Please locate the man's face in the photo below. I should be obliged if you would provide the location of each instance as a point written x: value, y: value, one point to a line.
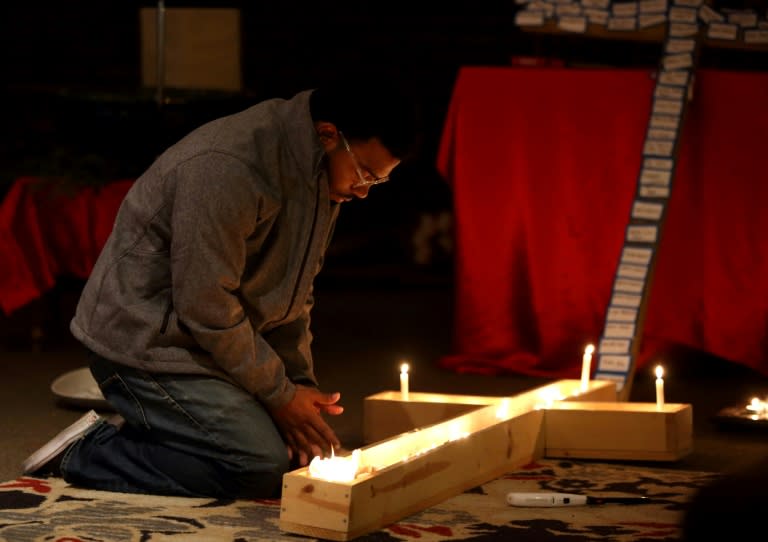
x: 354, y: 167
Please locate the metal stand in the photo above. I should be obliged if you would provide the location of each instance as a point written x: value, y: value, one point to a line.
x: 160, y: 30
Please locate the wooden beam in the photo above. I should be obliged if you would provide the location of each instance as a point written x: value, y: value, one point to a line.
x: 411, y: 472
x: 387, y: 414
x: 618, y: 431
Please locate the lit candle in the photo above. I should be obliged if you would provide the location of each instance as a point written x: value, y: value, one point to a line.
x: 334, y: 468
x: 586, y: 367
x: 659, y: 387
x: 404, y: 380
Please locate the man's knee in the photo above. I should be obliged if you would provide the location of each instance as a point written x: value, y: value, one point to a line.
x: 261, y: 476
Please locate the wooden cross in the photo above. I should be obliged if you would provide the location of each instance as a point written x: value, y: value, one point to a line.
x: 429, y: 447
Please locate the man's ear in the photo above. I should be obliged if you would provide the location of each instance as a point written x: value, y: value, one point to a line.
x: 328, y: 134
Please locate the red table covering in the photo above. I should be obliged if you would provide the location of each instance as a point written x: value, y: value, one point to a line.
x: 543, y: 165
x: 48, y: 231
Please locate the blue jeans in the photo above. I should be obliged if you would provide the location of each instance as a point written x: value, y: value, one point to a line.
x: 184, y: 435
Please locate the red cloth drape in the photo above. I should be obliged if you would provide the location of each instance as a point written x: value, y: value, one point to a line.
x: 47, y: 232
x: 543, y: 165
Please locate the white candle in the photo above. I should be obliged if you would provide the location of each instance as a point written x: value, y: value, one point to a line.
x: 404, y: 380
x: 586, y: 367
x: 659, y: 387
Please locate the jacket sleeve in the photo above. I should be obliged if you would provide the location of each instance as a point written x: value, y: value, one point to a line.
x: 216, y: 207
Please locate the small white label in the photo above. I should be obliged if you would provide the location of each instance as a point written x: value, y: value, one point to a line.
x: 613, y: 346
x: 572, y: 24
x: 632, y: 271
x: 658, y: 163
x: 636, y: 255
x: 596, y: 16
x: 756, y: 36
x: 668, y: 91
x: 661, y: 133
x: 654, y: 191
x: 642, y: 234
x: 658, y: 148
x: 652, y: 6
x: 670, y: 107
x: 529, y: 18
x: 619, y: 330
x: 679, y: 78
x: 745, y: 19
x: 613, y: 362
x: 723, y: 31
x: 709, y: 15
x: 682, y: 15
x: 624, y: 9
x: 655, y: 177
x: 666, y: 121
x: 647, y: 21
x: 647, y: 210
x: 626, y: 300
x: 622, y: 23
x: 567, y: 9
x: 621, y: 314
x: 683, y: 30
x: 630, y: 286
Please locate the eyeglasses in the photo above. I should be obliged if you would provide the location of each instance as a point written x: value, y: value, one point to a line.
x: 365, y: 177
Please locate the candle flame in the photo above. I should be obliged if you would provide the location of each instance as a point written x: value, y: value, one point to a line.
x: 589, y: 349
x: 336, y: 469
x: 659, y: 371
x: 404, y: 368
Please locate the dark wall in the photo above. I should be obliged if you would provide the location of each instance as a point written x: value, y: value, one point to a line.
x: 73, y: 101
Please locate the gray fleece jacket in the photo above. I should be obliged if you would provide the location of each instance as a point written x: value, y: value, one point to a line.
x: 210, y: 263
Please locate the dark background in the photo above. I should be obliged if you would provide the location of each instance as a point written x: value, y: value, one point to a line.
x: 73, y: 71
x: 73, y: 107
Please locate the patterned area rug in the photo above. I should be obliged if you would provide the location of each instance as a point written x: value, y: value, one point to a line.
x: 49, y: 510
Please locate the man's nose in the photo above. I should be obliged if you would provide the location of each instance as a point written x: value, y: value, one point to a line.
x: 361, y: 191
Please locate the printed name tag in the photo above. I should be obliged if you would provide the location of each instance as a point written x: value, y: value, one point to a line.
x: 647, y: 210
x: 626, y: 300
x: 613, y: 362
x: 621, y: 314
x: 642, y: 234
x: 679, y: 78
x: 614, y: 346
x: 636, y: 255
x: 647, y: 191
x: 666, y: 121
x: 628, y: 270
x: 619, y: 330
x: 683, y: 30
x: 658, y: 163
x: 658, y: 148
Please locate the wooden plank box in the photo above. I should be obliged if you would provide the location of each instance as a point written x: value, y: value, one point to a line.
x: 413, y: 471
x: 387, y: 413
x: 628, y: 431
x: 421, y: 467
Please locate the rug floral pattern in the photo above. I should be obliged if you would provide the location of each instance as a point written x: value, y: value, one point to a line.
x: 49, y: 510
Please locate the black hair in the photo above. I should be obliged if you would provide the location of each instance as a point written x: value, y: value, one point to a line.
x: 362, y: 112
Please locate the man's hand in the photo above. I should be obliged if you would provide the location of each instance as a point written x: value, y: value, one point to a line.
x: 302, y: 425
